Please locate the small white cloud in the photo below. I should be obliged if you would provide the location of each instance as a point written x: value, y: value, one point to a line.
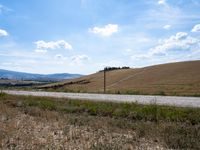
x: 3, y: 32
x: 41, y: 51
x: 178, y: 36
x: 128, y: 50
x: 1, y: 8
x: 107, y: 30
x: 196, y: 28
x: 61, y: 57
x: 78, y: 59
x: 53, y: 45
x: 4, y: 9
x: 140, y: 56
x: 161, y: 2
x: 83, y: 1
x: 167, y: 27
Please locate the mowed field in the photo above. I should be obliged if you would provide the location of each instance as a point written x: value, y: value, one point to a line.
x: 181, y: 78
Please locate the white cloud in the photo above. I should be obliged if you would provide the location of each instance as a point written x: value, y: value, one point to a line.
x: 3, y: 9
x: 53, y: 45
x: 107, y: 30
x: 140, y: 56
x: 161, y: 2
x: 178, y: 36
x: 60, y: 56
x: 78, y: 59
x: 83, y: 1
x: 180, y: 41
x: 3, y: 32
x: 196, y: 28
x: 41, y: 51
x: 167, y: 27
x: 128, y: 50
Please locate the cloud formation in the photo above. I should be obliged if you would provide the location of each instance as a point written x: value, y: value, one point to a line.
x: 78, y: 59
x: 196, y: 28
x: 107, y: 30
x: 161, y: 2
x: 3, y: 32
x: 60, y: 56
x: 3, y: 9
x: 53, y: 45
x: 167, y: 27
x: 180, y: 41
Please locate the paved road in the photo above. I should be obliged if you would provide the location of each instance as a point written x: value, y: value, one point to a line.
x: 142, y: 99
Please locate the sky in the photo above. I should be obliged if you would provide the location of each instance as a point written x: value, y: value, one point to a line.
x: 84, y: 36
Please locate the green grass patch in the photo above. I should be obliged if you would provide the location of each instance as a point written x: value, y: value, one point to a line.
x: 41, y: 102
x: 2, y: 94
x: 131, y: 111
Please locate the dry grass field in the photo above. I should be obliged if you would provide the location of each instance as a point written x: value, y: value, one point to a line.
x: 47, y: 123
x: 182, y: 78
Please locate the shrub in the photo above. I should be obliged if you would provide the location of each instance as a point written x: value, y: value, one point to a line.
x: 2, y: 94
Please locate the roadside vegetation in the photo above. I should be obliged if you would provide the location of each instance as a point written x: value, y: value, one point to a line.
x: 160, y: 126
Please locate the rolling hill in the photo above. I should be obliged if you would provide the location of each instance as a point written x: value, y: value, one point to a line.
x: 13, y: 75
x: 180, y: 78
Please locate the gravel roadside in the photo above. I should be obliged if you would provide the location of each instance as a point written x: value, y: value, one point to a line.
x: 142, y: 99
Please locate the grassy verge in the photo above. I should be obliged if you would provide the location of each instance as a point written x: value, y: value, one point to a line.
x: 131, y: 111
x: 177, y: 128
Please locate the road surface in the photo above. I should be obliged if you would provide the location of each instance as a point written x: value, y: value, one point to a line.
x: 141, y: 99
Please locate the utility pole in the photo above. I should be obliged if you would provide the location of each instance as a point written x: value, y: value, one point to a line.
x: 104, y: 72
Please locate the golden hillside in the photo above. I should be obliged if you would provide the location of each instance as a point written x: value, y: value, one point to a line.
x: 181, y: 78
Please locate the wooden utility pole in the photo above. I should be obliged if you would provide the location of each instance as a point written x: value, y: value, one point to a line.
x: 104, y: 72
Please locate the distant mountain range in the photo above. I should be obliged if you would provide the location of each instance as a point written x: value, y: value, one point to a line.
x: 6, y: 74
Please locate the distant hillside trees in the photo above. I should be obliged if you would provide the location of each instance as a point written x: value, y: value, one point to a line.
x: 114, y: 68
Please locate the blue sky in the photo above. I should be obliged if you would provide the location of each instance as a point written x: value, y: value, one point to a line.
x: 83, y: 36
